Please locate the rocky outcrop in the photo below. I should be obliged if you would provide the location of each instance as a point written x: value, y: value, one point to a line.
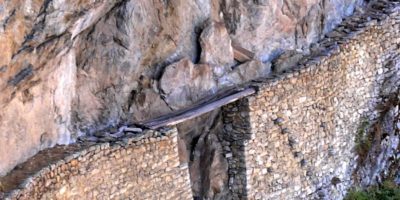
x: 245, y: 72
x: 69, y: 68
x: 184, y: 83
x: 216, y: 46
x: 202, y: 149
x: 270, y: 27
x: 39, y: 73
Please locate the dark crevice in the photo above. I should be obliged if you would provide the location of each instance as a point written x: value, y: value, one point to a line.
x: 44, y: 7
x: 39, y: 26
x: 8, y: 18
x: 50, y: 40
x: 193, y: 145
x: 3, y: 68
x: 166, y: 102
x: 160, y: 67
x: 120, y: 43
x: 197, y: 45
x: 131, y: 98
x: 21, y: 75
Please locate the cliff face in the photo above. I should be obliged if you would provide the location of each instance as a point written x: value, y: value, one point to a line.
x: 73, y: 67
x: 379, y: 140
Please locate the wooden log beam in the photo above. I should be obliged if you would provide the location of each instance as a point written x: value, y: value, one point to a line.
x: 241, y: 54
x: 190, y: 113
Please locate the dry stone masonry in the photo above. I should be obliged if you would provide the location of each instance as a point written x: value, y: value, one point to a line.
x: 78, y: 66
x: 142, y: 167
x: 295, y: 138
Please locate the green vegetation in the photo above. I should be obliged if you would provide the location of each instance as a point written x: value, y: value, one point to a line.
x: 362, y: 140
x: 387, y: 191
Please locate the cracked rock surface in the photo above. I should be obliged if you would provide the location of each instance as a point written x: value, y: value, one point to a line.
x: 70, y: 68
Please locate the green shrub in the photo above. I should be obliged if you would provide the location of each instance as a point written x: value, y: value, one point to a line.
x: 357, y: 195
x: 387, y: 191
x: 363, y: 141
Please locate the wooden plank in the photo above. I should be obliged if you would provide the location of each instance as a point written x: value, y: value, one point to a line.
x: 196, y: 111
x: 241, y: 54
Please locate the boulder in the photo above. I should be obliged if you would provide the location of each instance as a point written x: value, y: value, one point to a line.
x: 184, y: 83
x: 216, y: 46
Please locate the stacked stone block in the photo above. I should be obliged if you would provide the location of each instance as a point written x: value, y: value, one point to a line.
x: 135, y: 168
x: 294, y: 139
x: 236, y: 126
x: 297, y: 139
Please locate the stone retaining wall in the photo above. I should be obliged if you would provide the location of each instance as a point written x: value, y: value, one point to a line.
x: 133, y: 168
x: 295, y: 138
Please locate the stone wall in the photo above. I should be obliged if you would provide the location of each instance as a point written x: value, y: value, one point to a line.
x: 135, y: 168
x: 295, y: 138
x: 79, y: 66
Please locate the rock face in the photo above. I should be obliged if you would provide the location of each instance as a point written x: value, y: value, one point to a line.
x: 183, y: 83
x: 286, y: 61
x: 216, y: 47
x: 269, y: 27
x: 245, y: 72
x: 72, y: 67
x: 380, y: 162
x: 207, y: 165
